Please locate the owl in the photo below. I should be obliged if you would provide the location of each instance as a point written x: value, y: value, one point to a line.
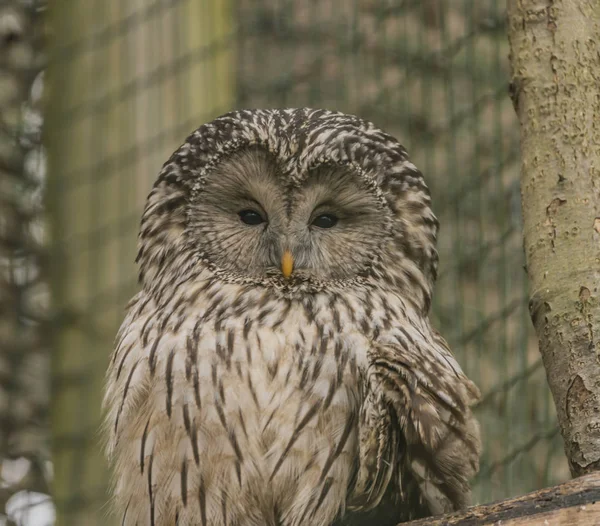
x: 278, y: 366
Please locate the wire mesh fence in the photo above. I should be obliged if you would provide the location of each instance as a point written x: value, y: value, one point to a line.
x: 129, y: 80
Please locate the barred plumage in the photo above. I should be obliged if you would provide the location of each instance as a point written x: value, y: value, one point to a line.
x: 241, y: 395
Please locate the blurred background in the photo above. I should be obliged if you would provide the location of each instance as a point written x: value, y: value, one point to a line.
x: 113, y: 87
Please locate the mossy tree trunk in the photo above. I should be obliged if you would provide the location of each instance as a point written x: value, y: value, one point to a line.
x: 555, y: 56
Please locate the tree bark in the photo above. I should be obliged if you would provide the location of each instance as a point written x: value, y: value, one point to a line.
x: 555, y: 46
x: 576, y: 502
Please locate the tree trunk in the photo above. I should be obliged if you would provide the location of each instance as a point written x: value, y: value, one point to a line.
x: 555, y: 46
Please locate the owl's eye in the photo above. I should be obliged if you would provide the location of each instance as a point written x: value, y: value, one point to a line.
x: 325, y: 221
x: 251, y: 217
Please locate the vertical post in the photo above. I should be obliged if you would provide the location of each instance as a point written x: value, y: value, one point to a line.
x: 211, y: 35
x: 81, y: 330
x: 119, y: 105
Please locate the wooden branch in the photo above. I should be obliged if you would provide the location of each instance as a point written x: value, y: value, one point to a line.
x: 574, y: 503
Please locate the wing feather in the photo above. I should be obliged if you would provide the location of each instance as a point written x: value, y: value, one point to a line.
x: 420, y: 442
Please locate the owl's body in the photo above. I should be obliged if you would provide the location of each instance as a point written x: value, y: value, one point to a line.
x: 240, y: 394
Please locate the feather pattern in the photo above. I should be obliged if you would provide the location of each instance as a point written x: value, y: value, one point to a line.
x: 237, y: 396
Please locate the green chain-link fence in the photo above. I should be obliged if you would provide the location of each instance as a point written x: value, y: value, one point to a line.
x: 129, y: 80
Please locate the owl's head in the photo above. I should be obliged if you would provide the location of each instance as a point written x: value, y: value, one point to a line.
x: 300, y: 200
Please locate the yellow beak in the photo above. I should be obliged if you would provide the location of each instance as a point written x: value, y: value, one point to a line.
x: 287, y: 264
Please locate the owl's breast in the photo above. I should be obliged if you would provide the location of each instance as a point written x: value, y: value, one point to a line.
x: 286, y: 395
x: 260, y: 413
x: 297, y: 366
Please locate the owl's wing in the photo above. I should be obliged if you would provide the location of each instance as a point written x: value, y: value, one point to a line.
x: 419, y: 442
